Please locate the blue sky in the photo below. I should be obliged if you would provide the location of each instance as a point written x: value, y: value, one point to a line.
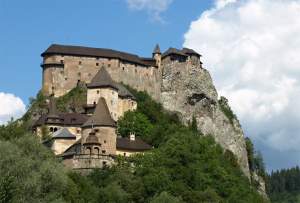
x: 29, y: 27
x: 250, y: 47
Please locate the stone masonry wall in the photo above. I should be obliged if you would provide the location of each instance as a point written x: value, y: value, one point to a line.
x: 61, y: 79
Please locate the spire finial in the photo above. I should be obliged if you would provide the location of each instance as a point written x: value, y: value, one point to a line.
x: 156, y: 49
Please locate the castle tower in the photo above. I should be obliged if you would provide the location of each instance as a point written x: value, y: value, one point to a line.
x: 101, y: 125
x: 53, y: 119
x: 157, y: 55
x: 102, y: 85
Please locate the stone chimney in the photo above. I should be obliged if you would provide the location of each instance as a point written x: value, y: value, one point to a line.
x: 132, y: 137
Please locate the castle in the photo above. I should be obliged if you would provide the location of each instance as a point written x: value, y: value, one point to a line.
x: 90, y: 140
x: 65, y: 66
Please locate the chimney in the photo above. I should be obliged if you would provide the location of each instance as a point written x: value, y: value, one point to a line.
x: 132, y: 137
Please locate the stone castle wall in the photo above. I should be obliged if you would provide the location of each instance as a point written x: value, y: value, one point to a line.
x: 62, y: 73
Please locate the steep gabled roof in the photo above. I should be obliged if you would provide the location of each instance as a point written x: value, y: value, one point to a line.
x: 101, y: 116
x: 63, y: 133
x: 190, y: 52
x: 156, y: 49
x: 124, y: 92
x: 53, y: 113
x: 134, y: 145
x: 173, y: 51
x: 102, y: 79
x: 92, y: 52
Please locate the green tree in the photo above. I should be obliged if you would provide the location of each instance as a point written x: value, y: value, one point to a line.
x: 134, y: 122
x: 165, y: 197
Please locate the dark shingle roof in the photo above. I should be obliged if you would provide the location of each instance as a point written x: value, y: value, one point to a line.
x: 102, y: 79
x: 73, y: 149
x: 63, y: 133
x: 135, y: 145
x: 67, y: 119
x: 124, y: 92
x: 190, y: 52
x: 101, y: 116
x: 173, y: 51
x: 92, y: 52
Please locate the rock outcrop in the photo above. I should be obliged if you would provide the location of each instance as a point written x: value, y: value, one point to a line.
x: 189, y: 91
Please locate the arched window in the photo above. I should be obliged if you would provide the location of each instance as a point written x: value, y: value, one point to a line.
x: 97, y: 150
x: 51, y: 129
x: 55, y: 129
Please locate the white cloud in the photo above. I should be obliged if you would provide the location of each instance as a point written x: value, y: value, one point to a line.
x: 252, y: 49
x: 153, y: 7
x: 10, y: 106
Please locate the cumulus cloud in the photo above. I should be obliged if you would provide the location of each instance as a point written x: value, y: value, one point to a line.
x: 10, y: 107
x: 153, y: 7
x: 252, y: 49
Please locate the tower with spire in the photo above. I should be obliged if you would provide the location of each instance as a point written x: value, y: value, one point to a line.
x: 157, y: 55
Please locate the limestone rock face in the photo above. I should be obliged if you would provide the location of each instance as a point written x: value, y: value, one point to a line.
x: 189, y: 91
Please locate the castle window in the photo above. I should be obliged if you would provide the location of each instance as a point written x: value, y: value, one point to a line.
x: 123, y: 68
x: 79, y: 62
x: 97, y: 64
x: 94, y: 103
x: 55, y: 129
x: 104, y: 141
x: 108, y: 65
x: 98, y: 92
x: 51, y: 129
x: 104, y: 163
x: 61, y: 61
x: 103, y: 151
x: 97, y: 150
x: 66, y: 78
x: 124, y: 154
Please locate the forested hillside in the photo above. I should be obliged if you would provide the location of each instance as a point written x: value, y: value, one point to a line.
x: 184, y: 166
x: 284, y: 185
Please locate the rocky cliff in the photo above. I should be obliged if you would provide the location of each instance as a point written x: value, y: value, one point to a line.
x: 189, y: 91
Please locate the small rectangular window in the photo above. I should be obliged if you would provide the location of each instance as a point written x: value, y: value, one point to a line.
x: 79, y: 63
x: 97, y: 64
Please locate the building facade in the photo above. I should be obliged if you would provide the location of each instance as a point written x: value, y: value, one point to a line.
x: 65, y: 66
